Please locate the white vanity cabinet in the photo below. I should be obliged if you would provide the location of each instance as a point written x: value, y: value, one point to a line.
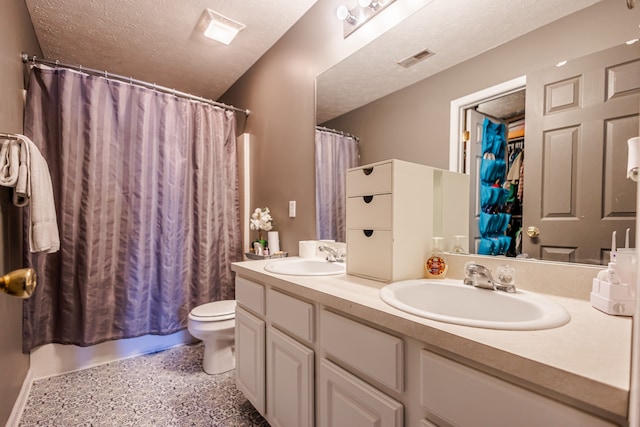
x: 274, y: 361
x: 290, y: 363
x: 302, y: 360
x: 394, y: 208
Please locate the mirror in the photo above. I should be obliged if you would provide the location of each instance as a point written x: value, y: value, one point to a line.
x: 413, y: 123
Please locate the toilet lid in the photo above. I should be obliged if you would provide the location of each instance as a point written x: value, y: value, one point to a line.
x: 217, y: 310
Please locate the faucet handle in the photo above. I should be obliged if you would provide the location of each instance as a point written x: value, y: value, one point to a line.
x: 506, y: 274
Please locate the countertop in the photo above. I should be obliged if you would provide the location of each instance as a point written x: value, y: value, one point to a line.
x: 585, y: 363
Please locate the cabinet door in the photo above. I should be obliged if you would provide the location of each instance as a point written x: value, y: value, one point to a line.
x: 290, y: 374
x: 346, y: 400
x: 250, y: 366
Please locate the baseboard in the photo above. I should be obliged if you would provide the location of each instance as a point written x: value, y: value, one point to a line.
x: 21, y: 401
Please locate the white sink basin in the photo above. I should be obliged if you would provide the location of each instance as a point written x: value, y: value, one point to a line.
x: 452, y: 301
x: 305, y: 267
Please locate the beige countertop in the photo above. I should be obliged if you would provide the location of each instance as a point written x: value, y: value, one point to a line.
x: 585, y: 363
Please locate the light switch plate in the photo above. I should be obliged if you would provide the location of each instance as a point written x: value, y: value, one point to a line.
x: 292, y: 209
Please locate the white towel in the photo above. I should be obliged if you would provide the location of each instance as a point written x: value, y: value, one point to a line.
x: 22, y: 191
x: 9, y: 163
x: 32, y: 185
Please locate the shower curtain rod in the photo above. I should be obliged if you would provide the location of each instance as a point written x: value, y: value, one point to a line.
x: 8, y: 135
x: 27, y: 58
x: 338, y: 132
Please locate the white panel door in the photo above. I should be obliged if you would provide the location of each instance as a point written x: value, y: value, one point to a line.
x: 250, y: 363
x: 578, y: 120
x: 290, y: 381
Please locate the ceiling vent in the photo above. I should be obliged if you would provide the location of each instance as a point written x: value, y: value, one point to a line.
x: 414, y: 59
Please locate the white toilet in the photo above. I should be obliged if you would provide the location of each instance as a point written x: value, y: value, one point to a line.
x: 214, y: 323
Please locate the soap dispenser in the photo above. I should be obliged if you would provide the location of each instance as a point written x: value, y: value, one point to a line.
x: 436, y: 267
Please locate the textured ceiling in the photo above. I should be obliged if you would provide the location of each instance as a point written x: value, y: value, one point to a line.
x: 454, y: 30
x: 155, y: 41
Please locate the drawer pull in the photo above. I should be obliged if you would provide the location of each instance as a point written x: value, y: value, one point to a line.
x: 367, y: 199
x: 367, y: 171
x: 368, y: 233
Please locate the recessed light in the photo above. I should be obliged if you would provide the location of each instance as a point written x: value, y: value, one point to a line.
x: 632, y: 41
x: 561, y: 63
x: 220, y: 28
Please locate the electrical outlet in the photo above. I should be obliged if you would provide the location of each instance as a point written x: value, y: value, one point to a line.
x: 292, y: 209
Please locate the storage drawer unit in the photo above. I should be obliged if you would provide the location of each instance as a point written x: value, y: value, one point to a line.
x: 408, y: 204
x: 389, y: 220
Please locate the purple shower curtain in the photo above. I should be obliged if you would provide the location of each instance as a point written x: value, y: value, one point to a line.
x: 146, y: 192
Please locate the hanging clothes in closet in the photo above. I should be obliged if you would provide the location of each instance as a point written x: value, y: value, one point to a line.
x: 514, y: 183
x: 493, y: 196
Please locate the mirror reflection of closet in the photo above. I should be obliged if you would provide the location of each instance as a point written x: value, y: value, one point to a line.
x: 508, y: 109
x: 573, y: 192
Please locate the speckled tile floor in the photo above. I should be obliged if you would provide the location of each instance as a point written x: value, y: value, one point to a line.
x: 167, y: 388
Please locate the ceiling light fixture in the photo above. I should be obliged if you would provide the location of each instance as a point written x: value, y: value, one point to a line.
x: 561, y: 64
x: 371, y: 4
x: 220, y: 28
x: 344, y: 14
x: 632, y: 41
x: 356, y: 17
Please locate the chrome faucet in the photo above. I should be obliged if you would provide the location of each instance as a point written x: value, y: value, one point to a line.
x: 480, y: 276
x: 333, y: 254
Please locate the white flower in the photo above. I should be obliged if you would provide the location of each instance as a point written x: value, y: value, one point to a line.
x: 261, y: 219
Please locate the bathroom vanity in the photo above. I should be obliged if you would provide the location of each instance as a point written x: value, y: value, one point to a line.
x: 328, y: 351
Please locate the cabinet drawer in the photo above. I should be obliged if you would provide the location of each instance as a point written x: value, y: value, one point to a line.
x: 369, y: 180
x: 371, y: 212
x: 370, y: 253
x: 446, y: 386
x: 346, y: 400
x: 250, y: 295
x: 291, y: 314
x: 364, y: 349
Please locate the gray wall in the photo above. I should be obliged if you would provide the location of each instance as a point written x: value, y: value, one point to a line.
x: 17, y: 37
x: 413, y: 124
x: 279, y: 90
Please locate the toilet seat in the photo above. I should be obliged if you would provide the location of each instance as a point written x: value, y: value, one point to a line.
x: 214, y: 311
